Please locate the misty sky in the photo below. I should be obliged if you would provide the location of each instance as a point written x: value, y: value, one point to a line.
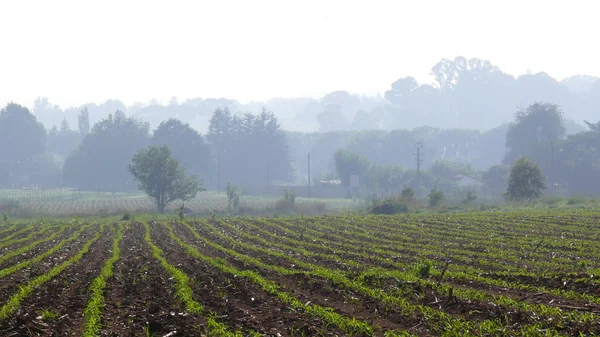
x: 80, y: 51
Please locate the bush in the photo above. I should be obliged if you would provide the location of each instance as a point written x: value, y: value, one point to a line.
x: 408, y: 194
x: 388, y: 206
x: 288, y: 203
x: 234, y: 194
x: 435, y: 197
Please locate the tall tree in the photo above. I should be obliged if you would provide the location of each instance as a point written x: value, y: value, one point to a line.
x: 539, y: 123
x: 161, y: 177
x: 83, y: 121
x: 100, y: 162
x: 21, y: 135
x: 247, y: 147
x: 187, y: 145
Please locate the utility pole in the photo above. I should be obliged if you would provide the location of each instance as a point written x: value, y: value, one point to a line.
x: 309, y: 191
x: 418, y: 146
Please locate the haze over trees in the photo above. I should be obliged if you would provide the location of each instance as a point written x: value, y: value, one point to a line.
x: 473, y: 119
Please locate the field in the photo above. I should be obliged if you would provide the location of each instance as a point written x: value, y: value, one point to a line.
x: 62, y: 203
x: 467, y: 274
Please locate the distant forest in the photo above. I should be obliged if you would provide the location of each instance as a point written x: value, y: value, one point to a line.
x: 474, y: 120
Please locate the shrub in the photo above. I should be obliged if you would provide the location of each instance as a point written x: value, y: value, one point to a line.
x: 234, y: 194
x: 288, y: 203
x: 435, y: 197
x: 469, y: 197
x: 388, y: 207
x: 407, y: 194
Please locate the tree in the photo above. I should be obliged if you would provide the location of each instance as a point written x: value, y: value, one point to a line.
x: 100, y: 162
x: 495, y: 178
x: 187, y: 145
x: 83, y: 121
x: 247, y: 147
x: 525, y: 182
x: 161, y: 177
x: 21, y: 135
x: 348, y: 163
x: 539, y: 123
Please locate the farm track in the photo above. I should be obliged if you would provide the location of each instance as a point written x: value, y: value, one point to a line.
x: 241, y: 303
x: 141, y: 296
x: 64, y: 295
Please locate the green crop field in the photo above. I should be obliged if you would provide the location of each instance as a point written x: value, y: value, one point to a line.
x: 534, y: 273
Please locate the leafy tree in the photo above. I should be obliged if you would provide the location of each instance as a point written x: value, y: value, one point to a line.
x: 578, y: 163
x: 21, y: 135
x: 332, y: 119
x: 435, y: 197
x: 348, y: 163
x: 495, y: 178
x: 247, y: 147
x: 64, y: 141
x: 187, y: 145
x: 100, y: 162
x: 161, y: 177
x: 525, y: 182
x: 539, y: 123
x: 595, y: 127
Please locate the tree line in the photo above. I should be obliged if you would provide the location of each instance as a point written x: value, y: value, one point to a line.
x: 468, y: 93
x: 253, y: 149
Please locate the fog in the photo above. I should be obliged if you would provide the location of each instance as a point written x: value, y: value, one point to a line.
x: 243, y: 92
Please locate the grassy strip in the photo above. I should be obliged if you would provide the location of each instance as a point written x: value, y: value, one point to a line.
x: 27, y: 263
x: 184, y: 293
x: 349, y: 325
x: 92, y: 314
x: 15, y: 300
x: 30, y: 246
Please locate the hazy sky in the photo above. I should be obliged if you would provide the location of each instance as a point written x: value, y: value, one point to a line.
x: 80, y: 51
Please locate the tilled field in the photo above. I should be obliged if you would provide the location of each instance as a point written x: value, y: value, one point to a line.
x: 477, y: 274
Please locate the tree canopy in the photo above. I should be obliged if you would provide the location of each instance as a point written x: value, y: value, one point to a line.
x: 100, y: 162
x: 525, y: 181
x: 187, y: 145
x: 161, y: 177
x: 249, y: 149
x: 21, y: 135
